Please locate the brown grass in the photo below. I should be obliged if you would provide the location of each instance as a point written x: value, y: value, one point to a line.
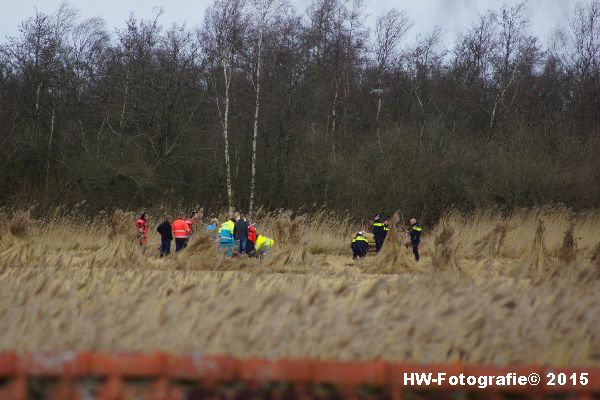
x: 444, y: 256
x: 395, y: 256
x: 20, y: 225
x: 537, y: 258
x: 596, y: 256
x: 568, y: 251
x: 518, y: 288
x: 491, y: 243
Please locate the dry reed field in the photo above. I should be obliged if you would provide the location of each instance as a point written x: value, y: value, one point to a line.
x: 491, y: 288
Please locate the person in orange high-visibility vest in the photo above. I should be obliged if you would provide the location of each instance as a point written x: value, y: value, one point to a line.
x: 182, y: 232
x: 141, y: 230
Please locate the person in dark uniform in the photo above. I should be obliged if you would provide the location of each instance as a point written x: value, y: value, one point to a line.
x: 166, y: 236
x: 379, y: 230
x: 359, y: 245
x: 240, y: 232
x: 415, y: 237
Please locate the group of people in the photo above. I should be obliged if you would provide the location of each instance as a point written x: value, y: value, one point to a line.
x: 232, y: 233
x: 380, y: 229
x: 181, y: 229
x: 238, y: 232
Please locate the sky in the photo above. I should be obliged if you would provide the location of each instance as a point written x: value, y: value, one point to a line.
x: 451, y: 15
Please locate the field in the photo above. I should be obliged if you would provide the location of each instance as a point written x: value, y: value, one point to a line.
x: 491, y: 288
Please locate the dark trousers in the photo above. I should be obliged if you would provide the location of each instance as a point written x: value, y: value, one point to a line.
x: 358, y: 254
x: 379, y: 243
x: 415, y: 247
x: 250, y: 248
x: 180, y: 244
x: 359, y: 250
x: 165, y: 247
x: 243, y: 243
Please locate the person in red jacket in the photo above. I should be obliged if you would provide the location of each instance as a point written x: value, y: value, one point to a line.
x: 191, y: 220
x: 141, y: 230
x: 251, y: 244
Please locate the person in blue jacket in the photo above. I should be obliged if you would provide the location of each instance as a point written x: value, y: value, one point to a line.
x: 213, y: 229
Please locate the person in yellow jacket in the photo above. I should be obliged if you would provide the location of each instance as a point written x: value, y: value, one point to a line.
x: 226, y: 240
x: 263, y: 244
x: 359, y: 245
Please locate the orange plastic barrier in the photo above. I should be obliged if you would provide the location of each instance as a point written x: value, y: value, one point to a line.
x: 159, y: 376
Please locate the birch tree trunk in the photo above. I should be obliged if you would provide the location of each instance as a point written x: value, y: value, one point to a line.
x: 379, y: 101
x: 37, y: 100
x: 50, y: 147
x: 126, y: 92
x: 256, y: 112
x: 266, y: 9
x: 334, y: 116
x: 227, y: 81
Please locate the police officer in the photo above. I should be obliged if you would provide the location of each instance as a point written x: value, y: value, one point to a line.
x: 359, y: 245
x: 415, y: 237
x: 379, y: 230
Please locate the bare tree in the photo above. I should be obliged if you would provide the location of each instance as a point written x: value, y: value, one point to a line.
x: 37, y: 52
x: 512, y: 43
x: 138, y: 42
x: 263, y: 12
x: 223, y: 34
x: 423, y: 57
x: 88, y: 43
x: 335, y: 45
x: 578, y: 48
x: 473, y: 68
x: 40, y: 54
x: 390, y: 29
x: 475, y: 49
x: 86, y: 117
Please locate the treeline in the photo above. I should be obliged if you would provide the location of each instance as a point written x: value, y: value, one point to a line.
x: 260, y: 105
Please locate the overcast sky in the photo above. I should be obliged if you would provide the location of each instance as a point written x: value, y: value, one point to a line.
x: 451, y: 15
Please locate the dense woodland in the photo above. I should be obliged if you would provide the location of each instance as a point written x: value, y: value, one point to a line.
x: 264, y: 105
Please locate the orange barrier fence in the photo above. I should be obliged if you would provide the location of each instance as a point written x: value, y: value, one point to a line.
x: 158, y: 376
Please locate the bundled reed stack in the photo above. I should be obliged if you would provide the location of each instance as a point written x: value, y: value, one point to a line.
x: 537, y: 258
x: 202, y: 254
x: 291, y: 241
x: 444, y: 254
x: 122, y: 246
x: 21, y: 248
x: 490, y: 245
x: 568, y: 251
x: 394, y: 257
x: 20, y: 226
